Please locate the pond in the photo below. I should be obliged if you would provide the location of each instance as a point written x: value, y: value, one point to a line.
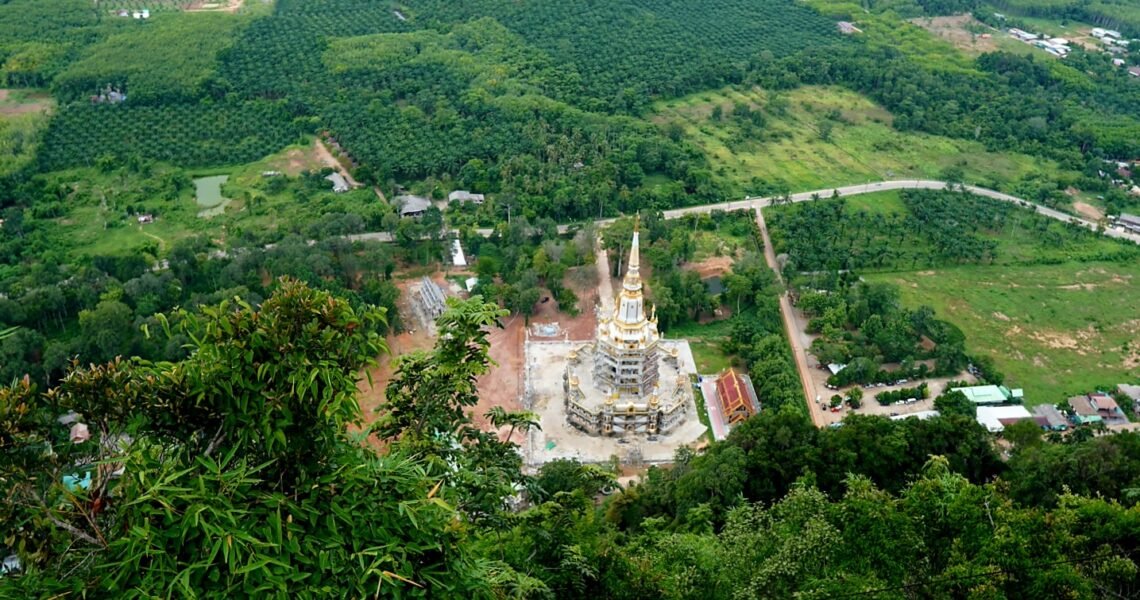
x: 208, y: 194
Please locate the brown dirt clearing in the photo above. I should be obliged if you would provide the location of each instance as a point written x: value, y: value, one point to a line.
x: 31, y: 102
x: 713, y: 266
x: 954, y: 30
x: 295, y: 161
x: 229, y: 6
x: 1088, y: 211
x: 503, y: 385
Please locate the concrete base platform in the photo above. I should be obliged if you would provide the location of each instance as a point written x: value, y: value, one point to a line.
x: 545, y: 364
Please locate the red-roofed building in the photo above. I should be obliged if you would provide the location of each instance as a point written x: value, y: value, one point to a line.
x: 737, y: 400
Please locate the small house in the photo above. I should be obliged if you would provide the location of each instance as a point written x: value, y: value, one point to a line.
x: 465, y: 196
x: 921, y: 415
x: 835, y: 368
x: 412, y: 206
x: 339, y: 183
x: 1053, y: 419
x: 1022, y: 35
x: 847, y: 28
x: 1096, y: 408
x: 144, y: 219
x: 1134, y: 71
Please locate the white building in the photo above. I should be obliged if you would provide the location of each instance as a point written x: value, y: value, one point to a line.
x: 921, y: 415
x: 457, y: 257
x: 992, y: 417
x: 625, y: 381
x: 465, y: 196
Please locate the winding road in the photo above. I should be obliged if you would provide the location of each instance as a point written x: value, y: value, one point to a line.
x: 905, y: 184
x: 750, y: 202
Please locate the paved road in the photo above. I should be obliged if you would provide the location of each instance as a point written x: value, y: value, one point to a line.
x: 750, y: 202
x: 907, y: 184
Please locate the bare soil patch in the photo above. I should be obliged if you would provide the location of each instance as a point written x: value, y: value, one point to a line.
x: 1088, y: 211
x: 228, y: 6
x: 371, y: 396
x: 503, y: 386
x: 954, y: 30
x: 713, y: 266
x: 10, y: 106
x: 1057, y: 340
x: 329, y: 160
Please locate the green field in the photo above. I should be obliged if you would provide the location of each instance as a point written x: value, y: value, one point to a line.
x: 860, y: 147
x: 705, y: 340
x: 99, y: 215
x: 885, y: 203
x: 1054, y: 330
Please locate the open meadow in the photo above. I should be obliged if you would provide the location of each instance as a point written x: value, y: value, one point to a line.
x: 818, y: 136
x: 99, y: 214
x: 1054, y: 330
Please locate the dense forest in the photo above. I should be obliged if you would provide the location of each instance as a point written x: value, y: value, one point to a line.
x: 235, y: 472
x: 538, y: 101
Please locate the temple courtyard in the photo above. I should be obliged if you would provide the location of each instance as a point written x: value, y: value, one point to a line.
x: 545, y: 365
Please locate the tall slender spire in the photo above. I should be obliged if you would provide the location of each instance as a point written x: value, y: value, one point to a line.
x: 630, y: 306
x: 632, y: 281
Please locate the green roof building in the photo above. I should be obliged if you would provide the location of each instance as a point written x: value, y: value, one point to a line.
x: 987, y: 394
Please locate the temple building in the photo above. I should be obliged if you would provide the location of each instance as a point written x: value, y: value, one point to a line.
x: 736, y: 396
x: 626, y: 381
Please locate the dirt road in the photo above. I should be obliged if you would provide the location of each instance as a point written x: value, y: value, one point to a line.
x: 605, y: 283
x: 799, y: 352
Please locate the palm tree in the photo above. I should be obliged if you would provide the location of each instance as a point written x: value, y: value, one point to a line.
x: 523, y: 420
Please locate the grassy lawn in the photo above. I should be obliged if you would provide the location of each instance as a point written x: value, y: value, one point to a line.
x: 705, y: 341
x: 861, y: 146
x: 703, y: 412
x: 101, y: 207
x: 1055, y: 330
x: 886, y: 203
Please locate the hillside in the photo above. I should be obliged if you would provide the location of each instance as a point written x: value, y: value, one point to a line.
x: 569, y: 299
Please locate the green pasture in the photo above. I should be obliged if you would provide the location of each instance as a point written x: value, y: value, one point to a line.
x: 861, y: 145
x: 1054, y: 330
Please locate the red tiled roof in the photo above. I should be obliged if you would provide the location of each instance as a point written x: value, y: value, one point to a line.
x: 733, y: 394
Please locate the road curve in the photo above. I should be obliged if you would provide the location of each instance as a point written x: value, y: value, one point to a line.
x: 750, y: 202
x: 905, y: 184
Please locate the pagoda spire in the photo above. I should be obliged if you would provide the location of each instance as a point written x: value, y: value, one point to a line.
x: 632, y: 281
x: 629, y: 309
